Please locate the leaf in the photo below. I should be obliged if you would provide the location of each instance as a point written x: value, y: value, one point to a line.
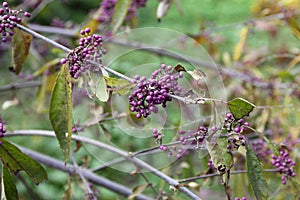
x: 221, y: 158
x: 101, y: 90
x: 8, y: 187
x: 241, y: 44
x: 240, y: 107
x: 137, y: 190
x: 120, y: 13
x: 92, y: 25
x: 51, y: 65
x: 197, y: 74
x: 15, y: 160
x: 118, y: 86
x: 163, y: 8
x: 294, y: 61
x: 179, y: 68
x: 61, y: 110
x: 294, y: 26
x: 255, y: 174
x: 20, y: 44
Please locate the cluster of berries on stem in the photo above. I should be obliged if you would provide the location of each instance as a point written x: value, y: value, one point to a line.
x: 261, y: 149
x: 284, y: 164
x: 8, y: 20
x: 189, y: 138
x: 108, y: 6
x: 154, y: 91
x: 2, y: 129
x: 243, y: 198
x: 90, y: 47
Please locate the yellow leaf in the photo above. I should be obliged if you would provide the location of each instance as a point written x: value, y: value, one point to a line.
x: 241, y: 44
x: 294, y: 61
x: 294, y: 27
x: 20, y: 44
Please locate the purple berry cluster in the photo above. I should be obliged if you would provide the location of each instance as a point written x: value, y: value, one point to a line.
x: 107, y: 7
x: 191, y: 138
x: 235, y: 141
x: 210, y: 164
x: 285, y: 165
x: 243, y: 198
x: 230, y: 124
x: 134, y: 6
x: 154, y: 91
x: 2, y: 129
x: 77, y: 128
x: 8, y: 20
x: 261, y: 149
x: 90, y: 47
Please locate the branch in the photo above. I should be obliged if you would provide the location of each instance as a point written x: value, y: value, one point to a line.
x: 88, y: 191
x: 122, y: 153
x: 20, y: 85
x: 217, y: 174
x: 67, y: 50
x: 57, y: 164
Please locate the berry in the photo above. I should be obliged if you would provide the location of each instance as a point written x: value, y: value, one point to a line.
x: 108, y: 6
x: 154, y: 91
x: 8, y: 20
x: 90, y: 47
x: 2, y: 129
x: 261, y: 149
x: 285, y: 165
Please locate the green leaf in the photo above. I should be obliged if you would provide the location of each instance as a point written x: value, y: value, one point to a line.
x: 15, y: 160
x: 240, y: 107
x: 20, y: 44
x: 221, y: 158
x: 120, y: 13
x: 101, y: 90
x: 137, y: 190
x: 118, y: 86
x: 61, y: 110
x: 8, y: 187
x: 255, y: 174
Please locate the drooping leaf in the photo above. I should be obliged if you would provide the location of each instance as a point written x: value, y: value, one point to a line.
x: 137, y: 190
x: 47, y: 66
x: 240, y: 107
x: 294, y: 61
x: 179, y: 68
x: 294, y: 26
x: 101, y: 90
x: 197, y: 74
x: 20, y: 45
x: 119, y: 15
x: 61, y: 110
x: 15, y: 160
x: 93, y: 22
x: 8, y: 187
x: 118, y: 86
x: 241, y: 44
x: 221, y: 158
x: 255, y: 174
x: 163, y: 8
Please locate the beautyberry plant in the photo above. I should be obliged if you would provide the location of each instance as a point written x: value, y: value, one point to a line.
x: 285, y: 165
x: 154, y: 91
x: 90, y: 48
x: 8, y: 20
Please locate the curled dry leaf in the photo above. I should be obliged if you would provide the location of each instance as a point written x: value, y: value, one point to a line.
x: 163, y: 8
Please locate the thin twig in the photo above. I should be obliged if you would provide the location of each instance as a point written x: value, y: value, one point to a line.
x: 89, y: 192
x: 60, y: 165
x: 172, y: 182
x: 217, y: 174
x: 20, y: 85
x: 67, y: 50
